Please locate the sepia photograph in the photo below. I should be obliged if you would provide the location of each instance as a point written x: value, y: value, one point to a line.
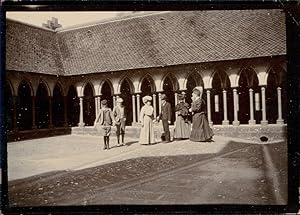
x: 179, y: 107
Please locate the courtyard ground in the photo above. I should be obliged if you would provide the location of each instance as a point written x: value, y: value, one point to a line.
x: 74, y: 170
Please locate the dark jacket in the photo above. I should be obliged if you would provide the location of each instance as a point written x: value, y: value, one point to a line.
x: 165, y: 112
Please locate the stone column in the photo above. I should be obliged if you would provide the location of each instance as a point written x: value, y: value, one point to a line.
x: 50, y: 112
x: 114, y: 101
x: 133, y: 110
x: 251, y: 121
x: 154, y: 104
x: 15, y: 127
x: 263, y: 102
x: 225, y: 121
x: 66, y: 111
x: 138, y: 100
x: 208, y: 108
x: 159, y: 103
x: 176, y: 94
x: 279, y: 120
x: 81, y: 123
x: 96, y: 105
x: 33, y: 112
x: 235, y: 107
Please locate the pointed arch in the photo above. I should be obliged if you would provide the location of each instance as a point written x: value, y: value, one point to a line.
x: 42, y: 81
x: 42, y: 106
x: 111, y: 87
x: 130, y: 84
x: 89, y: 113
x: 28, y: 83
x: 174, y: 81
x: 107, y: 92
x: 73, y: 106
x: 147, y: 77
x: 24, y: 105
x: 58, y: 106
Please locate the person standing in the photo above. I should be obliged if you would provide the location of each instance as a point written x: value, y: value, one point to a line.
x: 146, y: 119
x: 165, y: 116
x: 119, y: 114
x: 105, y: 119
x: 182, y: 125
x: 201, y: 132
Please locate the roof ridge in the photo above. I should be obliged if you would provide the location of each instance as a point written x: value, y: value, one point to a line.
x: 106, y: 21
x: 30, y: 25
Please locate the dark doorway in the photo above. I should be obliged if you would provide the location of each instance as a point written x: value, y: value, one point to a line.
x: 169, y: 91
x: 147, y: 89
x: 217, y: 112
x: 127, y: 100
x: 88, y: 106
x: 58, y: 118
x: 42, y: 107
x: 73, y: 107
x: 24, y: 107
x: 106, y: 93
x: 9, y: 108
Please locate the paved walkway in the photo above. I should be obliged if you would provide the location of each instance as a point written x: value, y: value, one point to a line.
x: 74, y: 170
x: 74, y: 152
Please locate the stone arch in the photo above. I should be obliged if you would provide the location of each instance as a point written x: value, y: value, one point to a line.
x: 42, y: 119
x: 89, y: 113
x: 276, y: 78
x: 9, y: 106
x: 84, y: 84
x: 45, y: 84
x: 149, y: 78
x: 11, y: 87
x: 110, y: 86
x: 24, y: 105
x: 73, y: 106
x: 219, y: 82
x: 248, y: 79
x: 175, y: 84
x: 107, y: 92
x: 130, y: 83
x: 58, y: 106
x: 126, y: 90
x: 193, y: 79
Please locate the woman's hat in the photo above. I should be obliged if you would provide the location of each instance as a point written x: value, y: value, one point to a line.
x: 198, y: 89
x: 104, y: 102
x: 119, y: 100
x: 163, y: 97
x: 146, y: 98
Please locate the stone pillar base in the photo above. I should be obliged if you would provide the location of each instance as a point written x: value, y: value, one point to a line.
x: 136, y: 123
x: 33, y: 127
x: 264, y: 122
x: 251, y: 122
x: 225, y: 122
x: 236, y: 123
x: 82, y: 124
x: 210, y: 123
x: 51, y: 126
x: 280, y: 121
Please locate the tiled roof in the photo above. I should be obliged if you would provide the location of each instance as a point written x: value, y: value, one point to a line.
x: 153, y: 40
x: 171, y: 38
x: 31, y: 49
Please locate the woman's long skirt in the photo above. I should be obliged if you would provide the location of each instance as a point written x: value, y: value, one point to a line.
x: 147, y: 131
x: 200, y: 129
x: 182, y: 128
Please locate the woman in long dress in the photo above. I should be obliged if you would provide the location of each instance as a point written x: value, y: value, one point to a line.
x: 146, y: 119
x: 201, y: 132
x: 182, y: 125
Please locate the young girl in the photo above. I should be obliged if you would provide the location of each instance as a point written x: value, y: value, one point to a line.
x: 182, y: 125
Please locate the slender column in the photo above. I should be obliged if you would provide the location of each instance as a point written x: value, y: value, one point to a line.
x: 138, y: 106
x: 279, y: 120
x: 208, y: 108
x: 114, y: 101
x: 50, y: 112
x: 154, y: 104
x: 235, y: 107
x: 96, y: 105
x: 263, y: 102
x: 251, y: 121
x: 99, y: 102
x: 65, y: 111
x: 176, y: 94
x: 15, y: 128
x: 133, y: 109
x: 81, y: 123
x: 159, y: 103
x: 33, y: 112
x: 225, y: 121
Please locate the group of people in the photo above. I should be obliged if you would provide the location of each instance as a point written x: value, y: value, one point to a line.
x: 200, y: 132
